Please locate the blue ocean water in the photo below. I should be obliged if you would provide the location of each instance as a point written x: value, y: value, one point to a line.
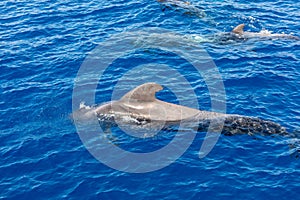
x: 43, y: 45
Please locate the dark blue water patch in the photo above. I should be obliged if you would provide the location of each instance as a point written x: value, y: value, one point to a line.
x: 141, y: 141
x: 145, y: 56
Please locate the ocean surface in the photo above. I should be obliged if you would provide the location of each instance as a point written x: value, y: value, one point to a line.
x: 43, y: 45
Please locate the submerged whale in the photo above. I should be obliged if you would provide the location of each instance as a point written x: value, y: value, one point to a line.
x: 140, y: 107
x: 239, y: 35
x: 186, y: 6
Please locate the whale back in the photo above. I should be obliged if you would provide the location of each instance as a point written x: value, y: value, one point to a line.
x: 142, y: 102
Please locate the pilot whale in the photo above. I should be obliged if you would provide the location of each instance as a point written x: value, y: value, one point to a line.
x: 186, y: 6
x: 140, y: 107
x: 239, y: 35
x: 239, y: 32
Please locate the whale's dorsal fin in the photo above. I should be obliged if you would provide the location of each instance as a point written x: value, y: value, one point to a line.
x: 145, y: 92
x: 239, y: 29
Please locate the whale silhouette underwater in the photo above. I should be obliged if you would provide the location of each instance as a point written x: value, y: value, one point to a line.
x: 184, y: 6
x: 140, y: 108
